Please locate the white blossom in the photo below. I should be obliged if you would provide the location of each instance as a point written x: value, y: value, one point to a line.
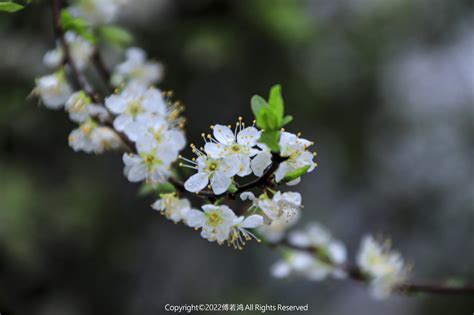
x: 97, y: 12
x: 136, y: 105
x: 239, y: 144
x: 80, y: 50
x: 240, y: 235
x: 303, y: 264
x: 80, y: 107
x: 137, y: 69
x: 217, y: 172
x: 281, y: 212
x: 158, y: 133
x: 282, y: 205
x: 216, y: 222
x: 53, y: 89
x: 384, y: 267
x: 152, y: 163
x: 53, y: 58
x: 172, y: 207
x: 90, y: 137
x: 316, y: 236
x: 295, y: 149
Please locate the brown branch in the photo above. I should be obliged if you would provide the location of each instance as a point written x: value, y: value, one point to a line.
x: 102, y: 69
x: 76, y: 77
x: 263, y: 181
x: 355, y: 273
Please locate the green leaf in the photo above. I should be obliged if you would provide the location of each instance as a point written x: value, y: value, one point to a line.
x: 259, y: 106
x: 295, y: 174
x: 257, y: 103
x: 10, y: 7
x: 276, y: 105
x: 270, y: 138
x: 156, y: 189
x: 232, y: 188
x: 77, y: 25
x: 286, y: 120
x: 115, y: 35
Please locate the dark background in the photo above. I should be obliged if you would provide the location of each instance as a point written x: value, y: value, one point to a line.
x: 385, y: 88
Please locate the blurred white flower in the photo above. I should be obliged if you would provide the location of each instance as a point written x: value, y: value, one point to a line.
x: 316, y: 236
x: 282, y: 206
x: 53, y: 89
x: 301, y: 264
x: 384, y: 268
x: 97, y: 12
x: 90, y: 137
x: 80, y: 49
x: 172, y: 207
x: 80, y: 107
x: 281, y: 212
x: 137, y: 69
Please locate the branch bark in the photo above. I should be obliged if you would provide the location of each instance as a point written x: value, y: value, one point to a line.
x: 355, y: 273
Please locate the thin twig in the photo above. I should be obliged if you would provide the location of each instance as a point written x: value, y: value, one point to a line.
x: 77, y: 78
x: 102, y: 69
x: 262, y: 181
x: 355, y: 273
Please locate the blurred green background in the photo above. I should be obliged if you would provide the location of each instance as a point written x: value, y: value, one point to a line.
x: 385, y: 88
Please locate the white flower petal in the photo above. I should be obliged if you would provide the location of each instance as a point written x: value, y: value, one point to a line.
x: 260, y: 163
x: 223, y: 134
x: 220, y: 182
x: 247, y: 195
x: 197, y: 182
x: 252, y: 221
x: 195, y: 218
x: 214, y: 150
x: 137, y: 172
x: 248, y: 136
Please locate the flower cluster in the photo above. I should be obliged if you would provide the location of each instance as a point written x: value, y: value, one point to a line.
x: 384, y: 268
x: 147, y: 124
x: 148, y: 119
x: 325, y: 259
x: 136, y: 68
x: 81, y: 51
x: 229, y: 153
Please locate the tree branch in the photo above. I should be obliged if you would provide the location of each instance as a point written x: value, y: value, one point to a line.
x: 355, y: 273
x: 263, y: 181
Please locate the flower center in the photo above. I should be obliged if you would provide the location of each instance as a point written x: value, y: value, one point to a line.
x: 212, y: 166
x: 149, y: 159
x: 134, y: 108
x: 235, y: 148
x: 214, y: 219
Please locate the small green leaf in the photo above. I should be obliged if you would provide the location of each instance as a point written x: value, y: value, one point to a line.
x: 115, y: 35
x: 270, y: 138
x: 257, y: 103
x: 276, y: 105
x: 232, y: 188
x: 77, y: 25
x: 10, y: 7
x: 295, y: 174
x: 286, y: 120
x: 157, y: 189
x: 259, y: 107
